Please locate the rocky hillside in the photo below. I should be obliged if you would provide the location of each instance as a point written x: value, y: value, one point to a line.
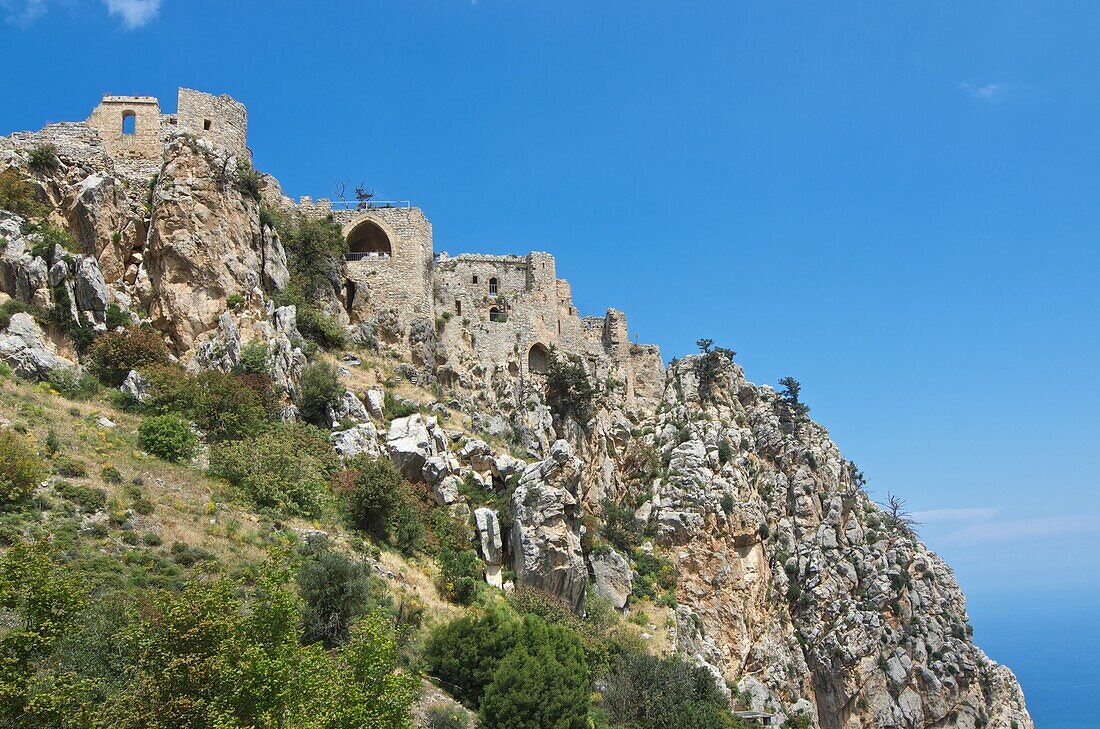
x: 691, y: 494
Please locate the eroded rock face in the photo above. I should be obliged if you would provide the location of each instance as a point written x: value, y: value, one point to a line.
x: 413, y: 440
x: 26, y: 349
x: 546, y: 527
x: 205, y: 242
x: 612, y: 577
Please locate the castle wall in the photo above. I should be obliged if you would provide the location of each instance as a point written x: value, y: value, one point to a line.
x: 145, y: 141
x: 221, y: 119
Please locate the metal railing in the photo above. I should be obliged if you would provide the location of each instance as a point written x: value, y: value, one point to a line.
x: 365, y: 255
x: 368, y: 204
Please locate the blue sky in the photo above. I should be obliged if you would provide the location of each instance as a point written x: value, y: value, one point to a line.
x: 897, y: 203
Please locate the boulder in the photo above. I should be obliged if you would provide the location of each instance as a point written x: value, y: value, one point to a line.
x: 447, y: 490
x: 546, y: 527
x: 90, y: 290
x: 376, y: 401
x: 488, y: 530
x: 349, y: 408
x: 612, y: 577
x: 363, y: 438
x: 26, y: 349
x: 136, y: 386
x: 411, y: 441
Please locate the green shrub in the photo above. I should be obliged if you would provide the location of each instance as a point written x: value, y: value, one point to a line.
x: 169, y: 437
x: 21, y: 196
x: 464, y: 652
x: 378, y: 501
x: 73, y: 386
x: 11, y: 307
x: 319, y: 388
x: 114, y: 354
x: 394, y: 408
x: 50, y: 237
x: 254, y: 358
x: 460, y: 575
x: 116, y: 317
x: 87, y: 497
x: 440, y: 717
x: 287, y: 467
x: 543, y: 681
x: 111, y: 474
x: 43, y: 159
x: 653, y: 573
x: 21, y: 470
x: 224, y: 406
x: 66, y: 465
x: 647, y: 692
x: 249, y: 182
x: 620, y: 527
x: 569, y: 392
x: 334, y: 591
x: 319, y: 328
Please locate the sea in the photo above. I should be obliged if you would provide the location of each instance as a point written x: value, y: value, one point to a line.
x: 1053, y: 647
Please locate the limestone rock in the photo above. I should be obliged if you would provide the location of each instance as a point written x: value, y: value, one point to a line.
x: 488, y: 530
x: 546, y: 527
x: 363, y: 438
x: 411, y: 441
x: 136, y: 386
x: 27, y: 350
x: 612, y: 577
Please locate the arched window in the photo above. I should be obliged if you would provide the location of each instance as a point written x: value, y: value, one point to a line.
x: 492, y: 287
x: 368, y: 240
x: 496, y: 314
x: 129, y: 123
x: 538, y: 360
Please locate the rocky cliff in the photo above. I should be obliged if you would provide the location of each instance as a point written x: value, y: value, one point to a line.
x: 789, y: 582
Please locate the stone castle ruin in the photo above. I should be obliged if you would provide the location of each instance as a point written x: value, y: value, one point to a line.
x: 470, y: 321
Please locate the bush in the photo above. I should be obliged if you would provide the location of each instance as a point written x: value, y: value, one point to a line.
x: 249, y: 182
x: 317, y: 327
x: 440, y: 717
x: 43, y: 159
x: 254, y: 359
x: 569, y: 392
x: 21, y: 470
x: 542, y: 682
x: 21, y: 196
x: 224, y: 406
x: 288, y: 467
x: 460, y: 575
x: 620, y: 527
x: 64, y: 465
x: 319, y: 388
x: 378, y: 501
x: 653, y: 573
x: 114, y: 354
x: 314, y: 248
x: 335, y: 591
x: 464, y: 652
x: 51, y: 236
x: 169, y: 437
x: 12, y: 307
x: 86, y: 497
x: 73, y: 386
x: 647, y: 692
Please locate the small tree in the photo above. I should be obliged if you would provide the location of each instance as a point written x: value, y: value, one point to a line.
x: 709, y: 365
x: 169, y: 437
x: 793, y: 412
x: 569, y: 392
x: 43, y: 159
x: 114, y: 354
x: 897, y: 518
x: 21, y: 470
x: 319, y: 389
x: 335, y: 591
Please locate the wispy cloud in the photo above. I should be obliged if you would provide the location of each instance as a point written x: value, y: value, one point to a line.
x: 134, y: 13
x: 1022, y: 530
x: 987, y: 92
x: 984, y: 513
x: 22, y: 12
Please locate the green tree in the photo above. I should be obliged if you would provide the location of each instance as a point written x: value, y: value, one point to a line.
x: 793, y: 412
x: 569, y: 392
x: 21, y: 470
x: 464, y: 653
x: 169, y: 437
x: 378, y: 501
x: 319, y: 388
x: 541, y: 684
x: 114, y: 354
x: 21, y: 196
x: 287, y: 467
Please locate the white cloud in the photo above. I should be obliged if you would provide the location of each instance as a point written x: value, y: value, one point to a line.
x: 1017, y: 530
x: 984, y: 513
x: 134, y: 13
x: 988, y: 92
x: 22, y: 12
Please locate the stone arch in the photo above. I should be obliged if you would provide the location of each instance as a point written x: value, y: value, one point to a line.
x: 129, y: 123
x: 497, y: 314
x: 368, y: 238
x: 538, y: 359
